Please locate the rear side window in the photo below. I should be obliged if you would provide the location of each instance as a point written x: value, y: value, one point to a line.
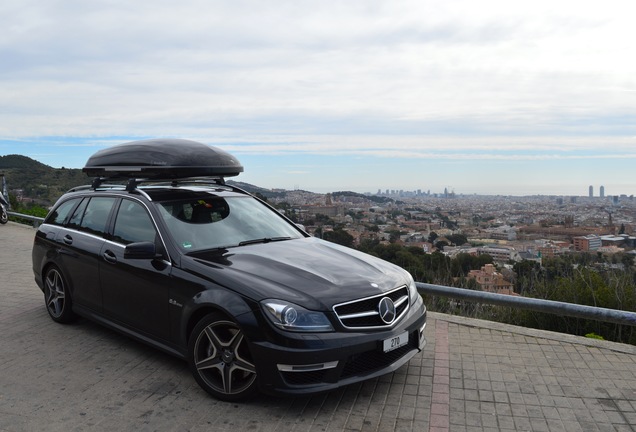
x: 95, y: 215
x: 62, y: 212
x: 133, y: 224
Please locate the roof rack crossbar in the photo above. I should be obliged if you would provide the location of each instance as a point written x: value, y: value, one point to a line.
x: 132, y: 182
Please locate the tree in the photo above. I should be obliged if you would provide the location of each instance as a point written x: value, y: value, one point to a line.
x: 257, y: 195
x: 394, y: 235
x: 441, y: 244
x: 457, y: 239
x: 339, y: 236
x: 627, y: 260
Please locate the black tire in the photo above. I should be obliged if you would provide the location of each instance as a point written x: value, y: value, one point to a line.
x: 57, y: 297
x: 220, y: 360
x: 4, y: 217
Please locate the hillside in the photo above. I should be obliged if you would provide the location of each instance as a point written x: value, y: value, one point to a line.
x: 45, y: 184
x: 40, y: 182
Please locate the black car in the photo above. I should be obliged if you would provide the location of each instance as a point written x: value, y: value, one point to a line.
x: 214, y: 275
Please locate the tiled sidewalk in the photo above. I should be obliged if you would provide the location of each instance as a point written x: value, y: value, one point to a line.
x: 472, y: 376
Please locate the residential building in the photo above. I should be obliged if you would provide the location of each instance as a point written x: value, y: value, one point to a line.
x: 500, y: 254
x: 587, y: 243
x: 490, y: 280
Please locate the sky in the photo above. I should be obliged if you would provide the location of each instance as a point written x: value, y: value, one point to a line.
x: 488, y: 97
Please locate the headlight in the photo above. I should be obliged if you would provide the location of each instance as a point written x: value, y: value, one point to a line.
x: 288, y: 316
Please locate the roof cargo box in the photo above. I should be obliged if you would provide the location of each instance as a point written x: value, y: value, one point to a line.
x: 162, y: 159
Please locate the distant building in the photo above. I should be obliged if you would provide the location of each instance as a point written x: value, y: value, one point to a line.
x: 326, y: 210
x: 548, y: 251
x: 490, y: 280
x: 610, y: 249
x: 602, y: 192
x: 587, y: 243
x: 505, y: 232
x: 500, y: 254
x: 612, y: 240
x: 591, y: 191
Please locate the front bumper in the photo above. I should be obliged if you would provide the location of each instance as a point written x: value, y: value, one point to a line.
x: 331, y: 360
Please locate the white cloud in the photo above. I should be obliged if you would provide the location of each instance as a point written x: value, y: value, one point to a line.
x: 541, y: 80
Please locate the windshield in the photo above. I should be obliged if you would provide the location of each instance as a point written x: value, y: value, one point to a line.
x: 211, y: 222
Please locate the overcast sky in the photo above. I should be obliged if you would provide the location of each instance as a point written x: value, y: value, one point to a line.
x: 497, y: 97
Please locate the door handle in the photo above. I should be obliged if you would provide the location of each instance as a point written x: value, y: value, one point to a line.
x: 68, y: 239
x: 110, y: 257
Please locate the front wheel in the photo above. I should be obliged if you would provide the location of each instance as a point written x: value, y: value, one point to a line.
x: 220, y: 360
x: 4, y: 217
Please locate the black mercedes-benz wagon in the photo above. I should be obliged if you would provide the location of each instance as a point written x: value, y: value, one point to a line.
x: 207, y: 272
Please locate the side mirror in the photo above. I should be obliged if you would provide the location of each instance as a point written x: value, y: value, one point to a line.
x: 141, y: 250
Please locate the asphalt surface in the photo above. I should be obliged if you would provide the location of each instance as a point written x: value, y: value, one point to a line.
x: 473, y: 376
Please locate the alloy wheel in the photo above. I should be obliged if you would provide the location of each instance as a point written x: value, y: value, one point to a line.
x: 222, y: 360
x: 56, y: 298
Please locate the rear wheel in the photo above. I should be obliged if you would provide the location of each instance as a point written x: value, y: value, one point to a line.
x: 56, y: 296
x: 220, y: 360
x: 4, y: 216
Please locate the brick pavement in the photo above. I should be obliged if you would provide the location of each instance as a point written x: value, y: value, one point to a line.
x: 473, y: 376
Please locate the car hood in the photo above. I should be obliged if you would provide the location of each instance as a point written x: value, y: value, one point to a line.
x: 309, y: 271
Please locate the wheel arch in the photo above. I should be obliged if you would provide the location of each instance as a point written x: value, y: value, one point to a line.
x: 46, y: 266
x: 227, y: 303
x: 199, y: 314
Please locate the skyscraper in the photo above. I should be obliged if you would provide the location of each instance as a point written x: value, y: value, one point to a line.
x: 602, y: 192
x: 591, y: 191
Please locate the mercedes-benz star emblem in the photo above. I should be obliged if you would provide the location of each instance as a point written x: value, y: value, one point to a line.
x: 386, y: 308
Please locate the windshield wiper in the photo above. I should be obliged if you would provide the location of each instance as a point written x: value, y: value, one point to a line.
x: 263, y: 240
x: 207, y: 250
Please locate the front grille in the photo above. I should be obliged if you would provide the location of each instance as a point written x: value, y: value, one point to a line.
x: 368, y: 362
x: 363, y: 313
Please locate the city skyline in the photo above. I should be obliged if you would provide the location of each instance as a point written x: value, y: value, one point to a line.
x: 500, y: 98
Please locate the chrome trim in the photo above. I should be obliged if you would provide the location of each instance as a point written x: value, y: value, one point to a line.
x: 379, y: 296
x: 422, y: 341
x: 359, y: 315
x: 307, y: 368
x: 399, y: 302
x: 422, y: 329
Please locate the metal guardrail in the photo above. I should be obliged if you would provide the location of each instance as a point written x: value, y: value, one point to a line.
x: 537, y: 305
x: 37, y: 221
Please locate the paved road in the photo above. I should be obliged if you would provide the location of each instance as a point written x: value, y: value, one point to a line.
x: 473, y: 376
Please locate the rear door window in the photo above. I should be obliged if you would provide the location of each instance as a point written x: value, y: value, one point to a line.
x: 96, y: 215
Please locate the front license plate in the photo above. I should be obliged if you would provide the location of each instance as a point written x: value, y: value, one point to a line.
x: 396, y: 341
